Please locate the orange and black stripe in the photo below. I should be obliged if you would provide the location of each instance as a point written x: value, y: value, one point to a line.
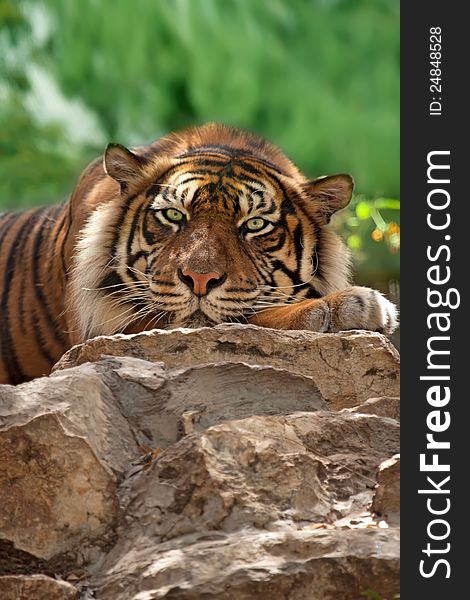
x: 32, y: 337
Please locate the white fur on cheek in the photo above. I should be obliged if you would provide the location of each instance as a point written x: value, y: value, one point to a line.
x: 94, y: 314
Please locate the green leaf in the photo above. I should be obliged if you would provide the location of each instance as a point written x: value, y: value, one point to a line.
x: 387, y: 204
x: 363, y: 210
x: 354, y: 242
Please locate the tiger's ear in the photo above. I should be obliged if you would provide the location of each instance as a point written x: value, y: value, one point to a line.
x: 330, y: 194
x: 122, y: 165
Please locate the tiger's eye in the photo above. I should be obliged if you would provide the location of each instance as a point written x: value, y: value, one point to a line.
x: 255, y: 224
x: 173, y: 215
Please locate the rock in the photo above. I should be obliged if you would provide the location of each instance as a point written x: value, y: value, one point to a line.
x: 305, y: 565
x: 386, y: 502
x: 386, y: 406
x: 278, y: 474
x: 35, y: 587
x: 348, y: 367
x: 62, y: 442
x: 163, y: 404
x: 204, y: 464
x: 71, y: 435
x: 18, y: 562
x: 269, y: 472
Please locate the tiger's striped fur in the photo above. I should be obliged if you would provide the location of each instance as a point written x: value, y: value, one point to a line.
x: 204, y: 226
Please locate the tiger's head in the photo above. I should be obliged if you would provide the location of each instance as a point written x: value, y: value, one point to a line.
x: 204, y: 226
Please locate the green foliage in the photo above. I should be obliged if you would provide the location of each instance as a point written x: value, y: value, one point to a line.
x: 37, y: 161
x: 319, y: 78
x: 372, y: 231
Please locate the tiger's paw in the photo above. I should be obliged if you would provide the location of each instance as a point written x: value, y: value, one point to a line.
x: 352, y: 308
x: 359, y: 308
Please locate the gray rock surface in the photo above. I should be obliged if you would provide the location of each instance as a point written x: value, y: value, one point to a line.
x: 386, y: 502
x: 230, y: 463
x: 62, y: 442
x: 386, y: 406
x: 348, y: 367
x: 215, y: 493
x: 305, y: 565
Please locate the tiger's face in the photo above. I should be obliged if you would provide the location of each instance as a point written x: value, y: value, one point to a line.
x: 205, y: 229
x: 215, y: 245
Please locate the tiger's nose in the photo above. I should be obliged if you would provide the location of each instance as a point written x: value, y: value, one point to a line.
x: 201, y: 283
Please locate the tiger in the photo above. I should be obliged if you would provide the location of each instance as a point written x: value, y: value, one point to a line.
x: 204, y: 226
